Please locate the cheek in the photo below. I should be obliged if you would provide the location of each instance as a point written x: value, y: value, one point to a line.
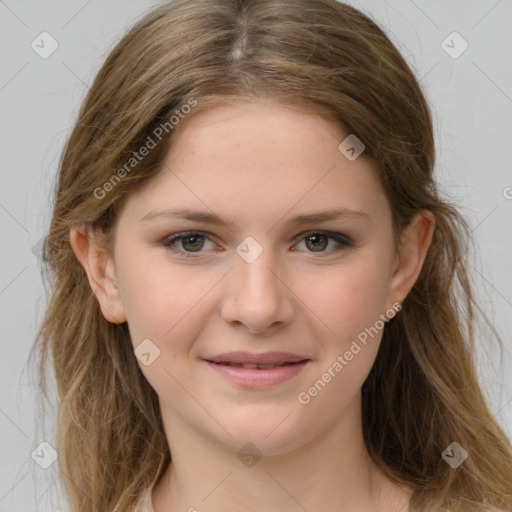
x: 161, y: 301
x: 351, y: 298
x: 351, y: 305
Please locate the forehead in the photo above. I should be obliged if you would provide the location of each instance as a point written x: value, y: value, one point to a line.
x: 263, y: 158
x: 257, y: 124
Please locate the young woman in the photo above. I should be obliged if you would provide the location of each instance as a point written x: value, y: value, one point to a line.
x: 259, y: 300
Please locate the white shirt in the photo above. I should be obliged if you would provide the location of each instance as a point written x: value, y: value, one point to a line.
x: 145, y: 504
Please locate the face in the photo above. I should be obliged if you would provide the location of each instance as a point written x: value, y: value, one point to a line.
x: 268, y: 286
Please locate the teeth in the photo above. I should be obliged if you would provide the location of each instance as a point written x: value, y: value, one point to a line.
x: 256, y: 366
x: 252, y: 366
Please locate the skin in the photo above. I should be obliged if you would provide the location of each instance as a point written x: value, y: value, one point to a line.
x: 258, y: 165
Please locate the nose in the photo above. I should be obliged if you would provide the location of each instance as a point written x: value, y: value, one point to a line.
x: 257, y: 296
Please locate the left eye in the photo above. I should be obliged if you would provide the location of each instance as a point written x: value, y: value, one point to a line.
x: 320, y: 240
x: 193, y: 242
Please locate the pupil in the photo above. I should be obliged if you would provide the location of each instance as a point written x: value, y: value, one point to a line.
x: 316, y: 240
x: 194, y: 242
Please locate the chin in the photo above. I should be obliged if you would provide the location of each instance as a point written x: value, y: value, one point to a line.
x: 265, y: 434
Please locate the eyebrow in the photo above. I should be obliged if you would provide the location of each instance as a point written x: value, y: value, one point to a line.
x: 214, y: 219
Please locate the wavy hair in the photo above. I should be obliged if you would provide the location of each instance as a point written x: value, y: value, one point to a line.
x: 422, y: 393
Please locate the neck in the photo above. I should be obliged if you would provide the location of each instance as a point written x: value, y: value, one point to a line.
x: 206, y: 476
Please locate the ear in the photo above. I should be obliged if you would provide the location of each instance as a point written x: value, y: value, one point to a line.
x: 414, y: 244
x: 99, y: 266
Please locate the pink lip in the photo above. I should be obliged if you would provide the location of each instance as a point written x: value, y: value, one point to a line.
x: 254, y: 377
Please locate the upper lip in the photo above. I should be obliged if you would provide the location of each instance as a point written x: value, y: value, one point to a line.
x: 252, y: 358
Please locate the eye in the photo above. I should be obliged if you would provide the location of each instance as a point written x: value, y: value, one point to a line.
x: 318, y: 241
x: 193, y: 242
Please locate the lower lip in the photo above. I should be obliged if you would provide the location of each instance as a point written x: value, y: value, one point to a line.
x: 254, y: 378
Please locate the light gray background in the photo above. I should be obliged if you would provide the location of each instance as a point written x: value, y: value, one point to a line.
x: 471, y: 98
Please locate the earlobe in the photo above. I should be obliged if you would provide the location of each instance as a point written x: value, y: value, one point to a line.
x: 100, y: 271
x: 414, y: 245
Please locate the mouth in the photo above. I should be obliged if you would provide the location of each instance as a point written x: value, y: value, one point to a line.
x: 256, y: 366
x: 257, y: 370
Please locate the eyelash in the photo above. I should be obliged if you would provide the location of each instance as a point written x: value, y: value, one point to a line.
x: 170, y: 242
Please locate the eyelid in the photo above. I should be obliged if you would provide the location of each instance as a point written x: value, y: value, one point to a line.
x: 169, y: 241
x: 343, y: 241
x: 330, y: 234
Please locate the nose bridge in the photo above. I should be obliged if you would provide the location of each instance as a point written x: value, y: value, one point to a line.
x: 256, y: 296
x: 257, y: 266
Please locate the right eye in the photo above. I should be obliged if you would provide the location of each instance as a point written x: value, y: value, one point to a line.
x: 191, y: 243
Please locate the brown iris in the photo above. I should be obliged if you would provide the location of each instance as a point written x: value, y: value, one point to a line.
x: 319, y: 241
x: 195, y: 245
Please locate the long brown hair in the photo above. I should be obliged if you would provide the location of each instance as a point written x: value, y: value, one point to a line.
x: 422, y: 393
